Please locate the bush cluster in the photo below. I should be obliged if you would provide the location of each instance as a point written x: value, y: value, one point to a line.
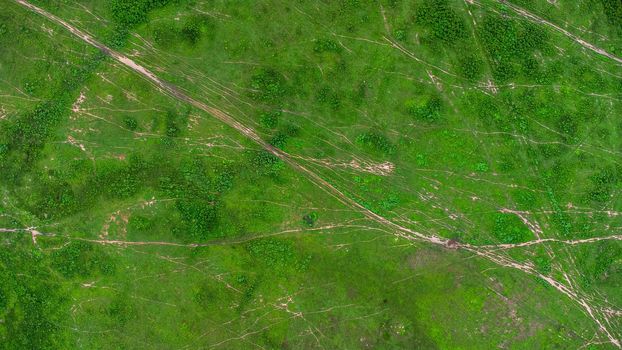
x: 425, y: 109
x: 81, y: 259
x: 268, y: 86
x: 511, y: 45
x: 129, y: 13
x: 377, y: 142
x: 444, y: 23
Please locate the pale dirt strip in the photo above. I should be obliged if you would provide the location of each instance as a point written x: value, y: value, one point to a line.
x: 553, y: 240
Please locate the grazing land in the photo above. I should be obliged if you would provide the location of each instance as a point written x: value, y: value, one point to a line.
x: 347, y: 174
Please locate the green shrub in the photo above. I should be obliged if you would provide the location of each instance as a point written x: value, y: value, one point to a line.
x: 129, y: 13
x: 543, y: 264
x: 130, y: 123
x: 510, y: 46
x: 270, y: 120
x: 470, y: 66
x: 613, y: 11
x: 568, y: 125
x: 81, y: 259
x: 199, y: 216
x: 268, y: 86
x: 331, y: 98
x: 265, y: 163
x: 279, y: 140
x: 210, y: 294
x: 390, y: 202
x: 121, y: 309
x: 140, y: 223
x: 603, y: 184
x: 444, y: 23
x: 400, y: 34
x: 24, y: 138
x: 32, y: 305
x: 481, y: 167
x: 275, y: 254
x: 425, y: 110
x: 377, y: 142
x: 115, y: 180
x: 508, y: 228
x: 54, y: 199
x: 165, y: 34
x: 191, y: 32
x: 326, y: 45
x: 310, y: 218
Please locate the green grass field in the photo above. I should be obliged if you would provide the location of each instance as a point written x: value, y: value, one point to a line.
x: 347, y: 174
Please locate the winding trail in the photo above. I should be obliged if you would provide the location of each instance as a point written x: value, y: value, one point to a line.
x: 554, y: 240
x: 601, y: 320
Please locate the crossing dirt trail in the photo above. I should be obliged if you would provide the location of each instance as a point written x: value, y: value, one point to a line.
x: 601, y: 319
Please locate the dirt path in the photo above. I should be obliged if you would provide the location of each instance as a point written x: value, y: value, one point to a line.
x: 554, y: 240
x: 398, y: 230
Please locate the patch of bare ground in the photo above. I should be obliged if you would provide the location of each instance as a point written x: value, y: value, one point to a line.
x: 505, y: 309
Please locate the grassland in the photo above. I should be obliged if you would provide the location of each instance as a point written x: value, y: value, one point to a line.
x: 356, y: 174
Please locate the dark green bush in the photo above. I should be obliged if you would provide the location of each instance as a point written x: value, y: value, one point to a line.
x: 543, y: 264
x: 129, y: 13
x: 328, y: 96
x: 470, y: 66
x: 32, y: 306
x: 425, y: 110
x: 603, y: 184
x: 121, y: 309
x: 117, y: 180
x: 568, y: 125
x: 172, y: 130
x: 326, y: 45
x: 191, y: 32
x: 165, y: 34
x: 613, y: 11
x: 81, y: 259
x: 310, y: 218
x: 279, y: 140
x: 265, y: 163
x: 268, y: 86
x: 377, y: 142
x: 511, y: 45
x: 54, y: 199
x: 270, y: 120
x: 130, y: 123
x: 444, y: 23
x: 199, y: 216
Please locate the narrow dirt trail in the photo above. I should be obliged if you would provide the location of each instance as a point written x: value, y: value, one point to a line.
x: 554, y: 240
x: 400, y: 231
